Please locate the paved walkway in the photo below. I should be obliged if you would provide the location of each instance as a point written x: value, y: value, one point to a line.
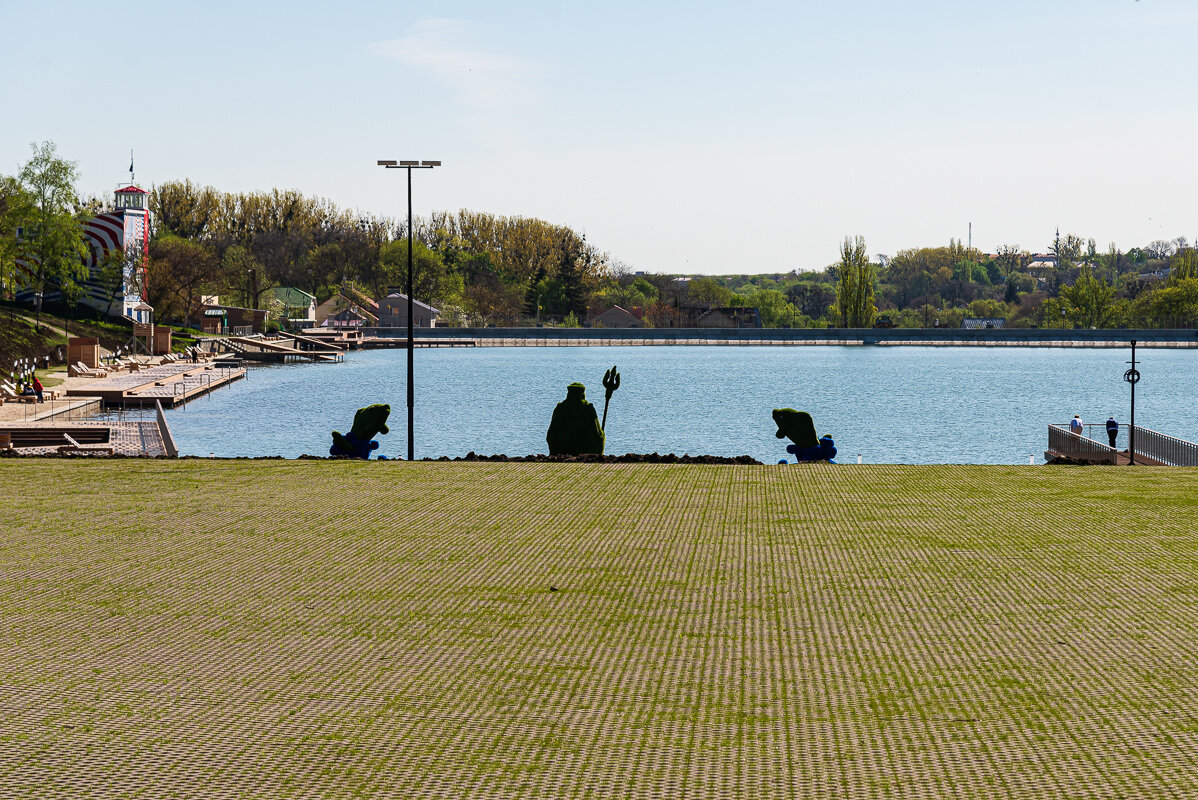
x: 127, y: 437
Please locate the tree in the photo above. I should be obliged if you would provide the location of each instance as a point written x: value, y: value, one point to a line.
x: 432, y: 282
x: 775, y: 311
x: 54, y: 244
x: 811, y: 298
x: 1009, y: 259
x: 1159, y: 250
x: 243, y: 273
x: 16, y: 207
x: 1174, y: 305
x: 708, y: 291
x: 855, y: 287
x: 1184, y: 265
x: 183, y: 269
x: 1091, y: 299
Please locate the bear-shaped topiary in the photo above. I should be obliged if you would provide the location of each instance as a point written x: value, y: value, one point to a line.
x: 368, y: 423
x: 798, y: 427
x: 574, y: 428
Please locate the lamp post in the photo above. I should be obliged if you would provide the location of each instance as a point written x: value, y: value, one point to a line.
x: 409, y: 166
x: 1132, y: 376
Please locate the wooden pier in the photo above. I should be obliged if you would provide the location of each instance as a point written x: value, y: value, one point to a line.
x: 170, y: 384
x: 253, y: 348
x: 401, y: 342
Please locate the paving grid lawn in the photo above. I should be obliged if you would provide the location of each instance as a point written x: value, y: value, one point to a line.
x: 312, y: 629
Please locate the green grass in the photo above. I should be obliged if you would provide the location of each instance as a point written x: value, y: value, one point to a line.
x: 332, y: 629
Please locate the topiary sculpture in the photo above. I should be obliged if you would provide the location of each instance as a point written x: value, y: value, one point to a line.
x: 798, y: 427
x: 574, y: 428
x: 368, y: 423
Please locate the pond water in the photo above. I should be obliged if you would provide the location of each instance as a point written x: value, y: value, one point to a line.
x: 911, y: 405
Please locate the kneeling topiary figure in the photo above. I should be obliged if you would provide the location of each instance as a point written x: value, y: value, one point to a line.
x: 798, y: 427
x: 368, y: 423
x: 574, y: 429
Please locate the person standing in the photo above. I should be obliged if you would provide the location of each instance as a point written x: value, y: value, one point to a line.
x: 38, y: 389
x: 1075, y: 425
x: 1112, y: 431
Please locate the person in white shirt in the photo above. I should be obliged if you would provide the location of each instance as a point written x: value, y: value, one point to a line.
x: 1075, y: 425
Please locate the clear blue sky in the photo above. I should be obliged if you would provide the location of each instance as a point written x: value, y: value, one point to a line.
x: 681, y: 137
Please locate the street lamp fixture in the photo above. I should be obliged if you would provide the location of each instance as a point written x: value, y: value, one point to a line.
x: 409, y: 166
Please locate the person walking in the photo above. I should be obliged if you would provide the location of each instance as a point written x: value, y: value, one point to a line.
x: 1075, y: 425
x: 38, y: 389
x: 1112, y: 431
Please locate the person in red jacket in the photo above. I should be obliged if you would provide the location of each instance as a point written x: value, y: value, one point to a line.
x: 38, y: 388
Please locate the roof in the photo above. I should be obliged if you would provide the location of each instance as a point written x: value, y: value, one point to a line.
x: 131, y: 190
x: 415, y: 302
x: 981, y: 323
x: 619, y: 310
x: 290, y: 296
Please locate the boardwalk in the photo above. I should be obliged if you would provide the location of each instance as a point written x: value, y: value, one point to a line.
x: 385, y: 629
x: 170, y: 384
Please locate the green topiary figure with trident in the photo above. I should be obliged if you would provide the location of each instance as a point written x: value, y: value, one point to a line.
x: 575, y: 428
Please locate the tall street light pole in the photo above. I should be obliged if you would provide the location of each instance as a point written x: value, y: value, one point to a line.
x: 409, y: 166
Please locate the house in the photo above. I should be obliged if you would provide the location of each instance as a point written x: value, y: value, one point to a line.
x: 729, y: 318
x: 617, y: 317
x: 297, y: 308
x: 983, y: 323
x: 233, y: 319
x: 347, y: 318
x: 393, y: 312
x: 1040, y: 264
x: 342, y: 301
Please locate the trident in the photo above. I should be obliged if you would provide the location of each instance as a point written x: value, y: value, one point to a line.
x: 611, y: 382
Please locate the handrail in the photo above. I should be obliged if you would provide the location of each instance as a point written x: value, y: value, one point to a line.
x: 1080, y: 448
x: 168, y: 441
x: 1166, y: 449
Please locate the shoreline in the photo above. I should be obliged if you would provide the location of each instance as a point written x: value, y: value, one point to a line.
x: 777, y: 337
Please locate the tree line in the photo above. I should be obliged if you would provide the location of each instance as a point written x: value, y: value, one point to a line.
x: 484, y: 269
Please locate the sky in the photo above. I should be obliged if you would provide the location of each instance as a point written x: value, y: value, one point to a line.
x: 702, y: 137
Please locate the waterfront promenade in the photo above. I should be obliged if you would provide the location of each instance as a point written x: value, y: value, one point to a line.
x: 387, y: 629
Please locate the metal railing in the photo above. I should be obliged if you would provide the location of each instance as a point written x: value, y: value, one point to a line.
x: 1062, y: 442
x: 1164, y: 449
x: 168, y: 441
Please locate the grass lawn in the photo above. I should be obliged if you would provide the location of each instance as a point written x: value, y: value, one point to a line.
x: 240, y: 629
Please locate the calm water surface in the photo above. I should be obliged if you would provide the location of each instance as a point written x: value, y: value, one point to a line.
x: 910, y: 405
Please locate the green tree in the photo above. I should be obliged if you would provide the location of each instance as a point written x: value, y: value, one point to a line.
x: 708, y: 291
x: 1092, y: 300
x: 432, y: 281
x: 183, y: 269
x: 775, y: 311
x: 243, y: 274
x: 54, y: 244
x: 1184, y: 265
x: 16, y: 207
x: 855, y: 286
x: 1173, y: 305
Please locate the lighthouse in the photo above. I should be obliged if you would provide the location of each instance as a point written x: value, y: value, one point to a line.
x: 124, y: 229
x: 133, y: 216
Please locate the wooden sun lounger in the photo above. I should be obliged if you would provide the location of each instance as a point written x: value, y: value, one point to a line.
x: 73, y: 446
x: 11, y: 395
x: 81, y: 370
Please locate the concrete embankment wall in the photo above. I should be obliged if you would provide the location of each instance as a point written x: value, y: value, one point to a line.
x: 1016, y: 337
